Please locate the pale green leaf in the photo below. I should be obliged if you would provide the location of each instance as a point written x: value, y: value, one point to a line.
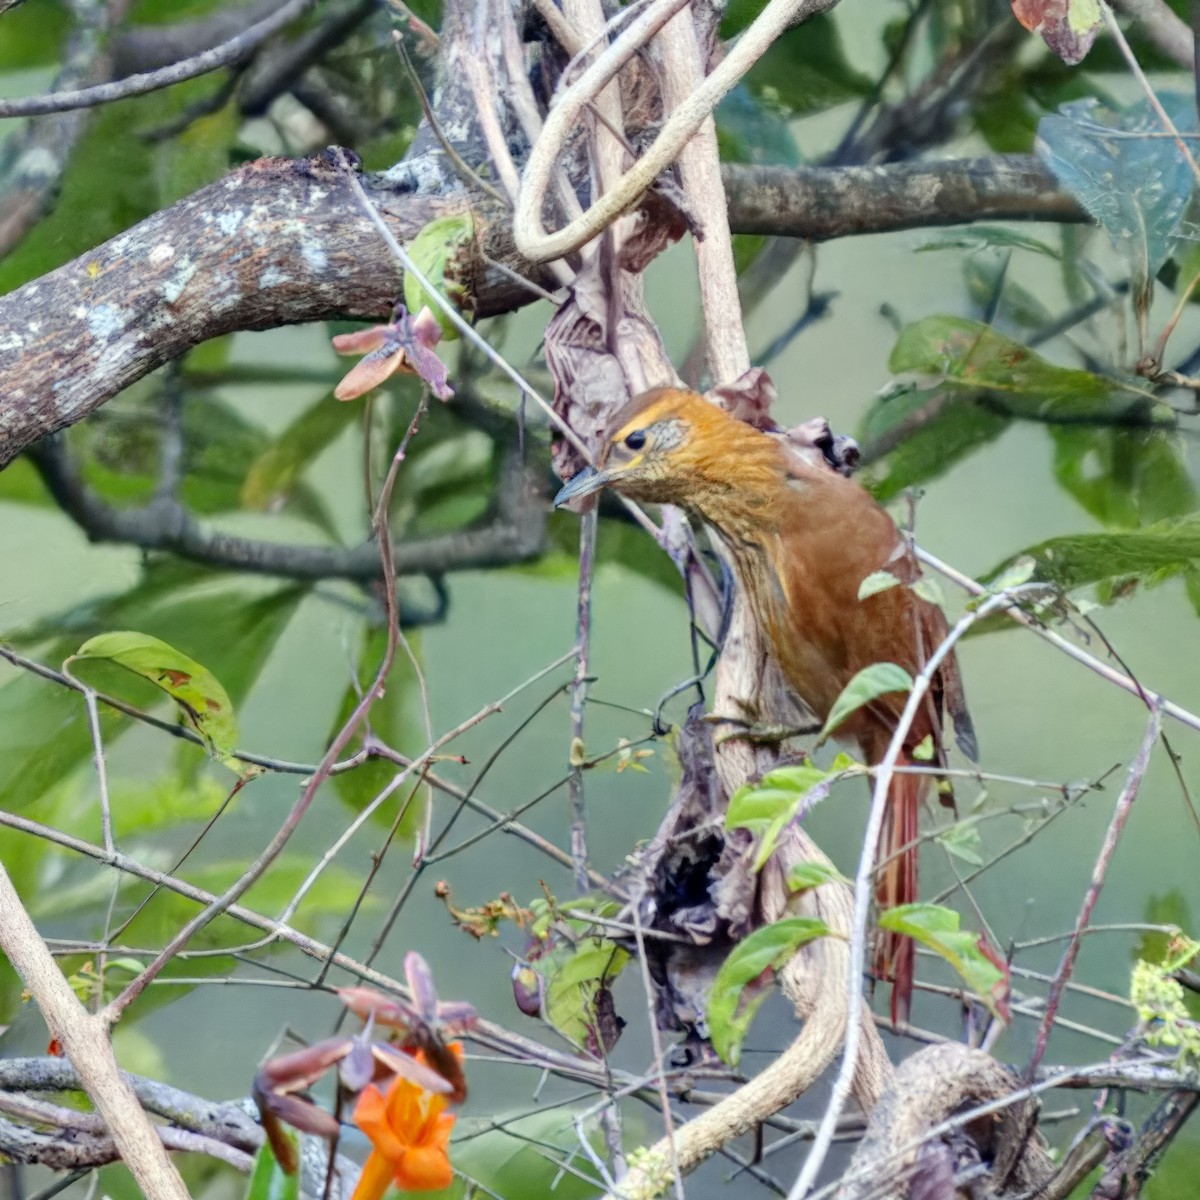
x: 812, y: 873
x: 879, y: 679
x: 936, y: 927
x: 731, y: 1007
x: 963, y: 842
x: 877, y: 581
x: 202, y: 701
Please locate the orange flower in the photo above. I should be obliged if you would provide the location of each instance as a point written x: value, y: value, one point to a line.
x: 410, y: 1138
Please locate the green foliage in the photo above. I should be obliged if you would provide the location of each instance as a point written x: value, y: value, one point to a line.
x: 1124, y: 477
x: 1137, y: 188
x: 520, y: 1158
x: 935, y: 926
x: 275, y: 473
x: 963, y: 841
x: 394, y: 721
x: 121, y: 452
x: 978, y: 237
x: 961, y: 426
x: 751, y: 130
x: 768, y: 807
x: 573, y: 975
x: 970, y: 355
x: 812, y: 873
x: 1161, y: 1002
x: 734, y: 1000
x: 879, y: 679
x: 33, y: 35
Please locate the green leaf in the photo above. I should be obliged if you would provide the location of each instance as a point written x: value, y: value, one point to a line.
x: 21, y: 484
x: 749, y: 130
x: 731, y: 1006
x: 768, y: 807
x: 1148, y: 555
x: 268, y: 1180
x: 203, y: 703
x: 963, y: 842
x: 958, y: 426
x: 935, y: 926
x: 33, y: 36
x: 395, y: 719
x: 1136, y: 187
x: 877, y: 581
x: 573, y: 975
x: 811, y: 874
x: 1124, y: 477
x: 879, y: 679
x: 435, y: 252
x: 968, y: 354
x: 521, y: 1157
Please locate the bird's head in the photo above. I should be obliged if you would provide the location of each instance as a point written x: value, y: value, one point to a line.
x: 671, y: 446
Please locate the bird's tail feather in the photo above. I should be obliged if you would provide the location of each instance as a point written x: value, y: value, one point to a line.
x: 896, y: 882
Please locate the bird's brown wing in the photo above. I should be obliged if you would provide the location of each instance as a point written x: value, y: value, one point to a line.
x: 834, y: 535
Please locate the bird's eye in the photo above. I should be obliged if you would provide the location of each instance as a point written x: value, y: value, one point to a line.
x: 636, y: 440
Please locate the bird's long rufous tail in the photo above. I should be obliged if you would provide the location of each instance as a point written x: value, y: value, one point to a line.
x: 896, y: 882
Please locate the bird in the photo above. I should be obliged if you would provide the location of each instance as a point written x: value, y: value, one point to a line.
x: 800, y: 539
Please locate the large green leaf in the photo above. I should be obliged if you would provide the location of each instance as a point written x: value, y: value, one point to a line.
x: 968, y: 354
x: 573, y: 975
x: 33, y: 35
x: 43, y: 726
x: 436, y: 252
x: 275, y: 472
x: 961, y: 426
x: 395, y: 720
x: 879, y: 679
x: 203, y: 703
x: 1136, y: 187
x: 733, y: 1001
x: 1123, y: 477
x: 268, y: 1180
x: 1148, y: 555
x: 936, y: 926
x: 768, y: 807
x: 121, y: 455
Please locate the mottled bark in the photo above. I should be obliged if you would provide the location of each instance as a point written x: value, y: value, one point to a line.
x: 282, y: 242
x: 276, y: 242
x: 820, y: 203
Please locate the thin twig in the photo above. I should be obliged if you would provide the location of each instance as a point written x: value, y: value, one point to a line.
x: 863, y: 892
x: 223, y: 55
x: 1121, y: 811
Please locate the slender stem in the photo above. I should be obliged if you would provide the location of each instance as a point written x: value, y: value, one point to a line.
x: 1121, y: 811
x: 863, y: 890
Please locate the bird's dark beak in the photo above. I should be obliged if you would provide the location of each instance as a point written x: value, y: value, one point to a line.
x: 588, y: 480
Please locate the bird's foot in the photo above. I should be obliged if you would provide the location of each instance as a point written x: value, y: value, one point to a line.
x: 757, y: 734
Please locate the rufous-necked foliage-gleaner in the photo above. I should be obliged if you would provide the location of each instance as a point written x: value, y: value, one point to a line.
x: 800, y: 539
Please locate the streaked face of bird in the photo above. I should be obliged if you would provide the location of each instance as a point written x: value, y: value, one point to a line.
x: 671, y: 446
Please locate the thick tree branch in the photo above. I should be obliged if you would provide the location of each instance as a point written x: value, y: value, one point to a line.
x: 282, y: 242
x: 515, y: 532
x: 819, y: 203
